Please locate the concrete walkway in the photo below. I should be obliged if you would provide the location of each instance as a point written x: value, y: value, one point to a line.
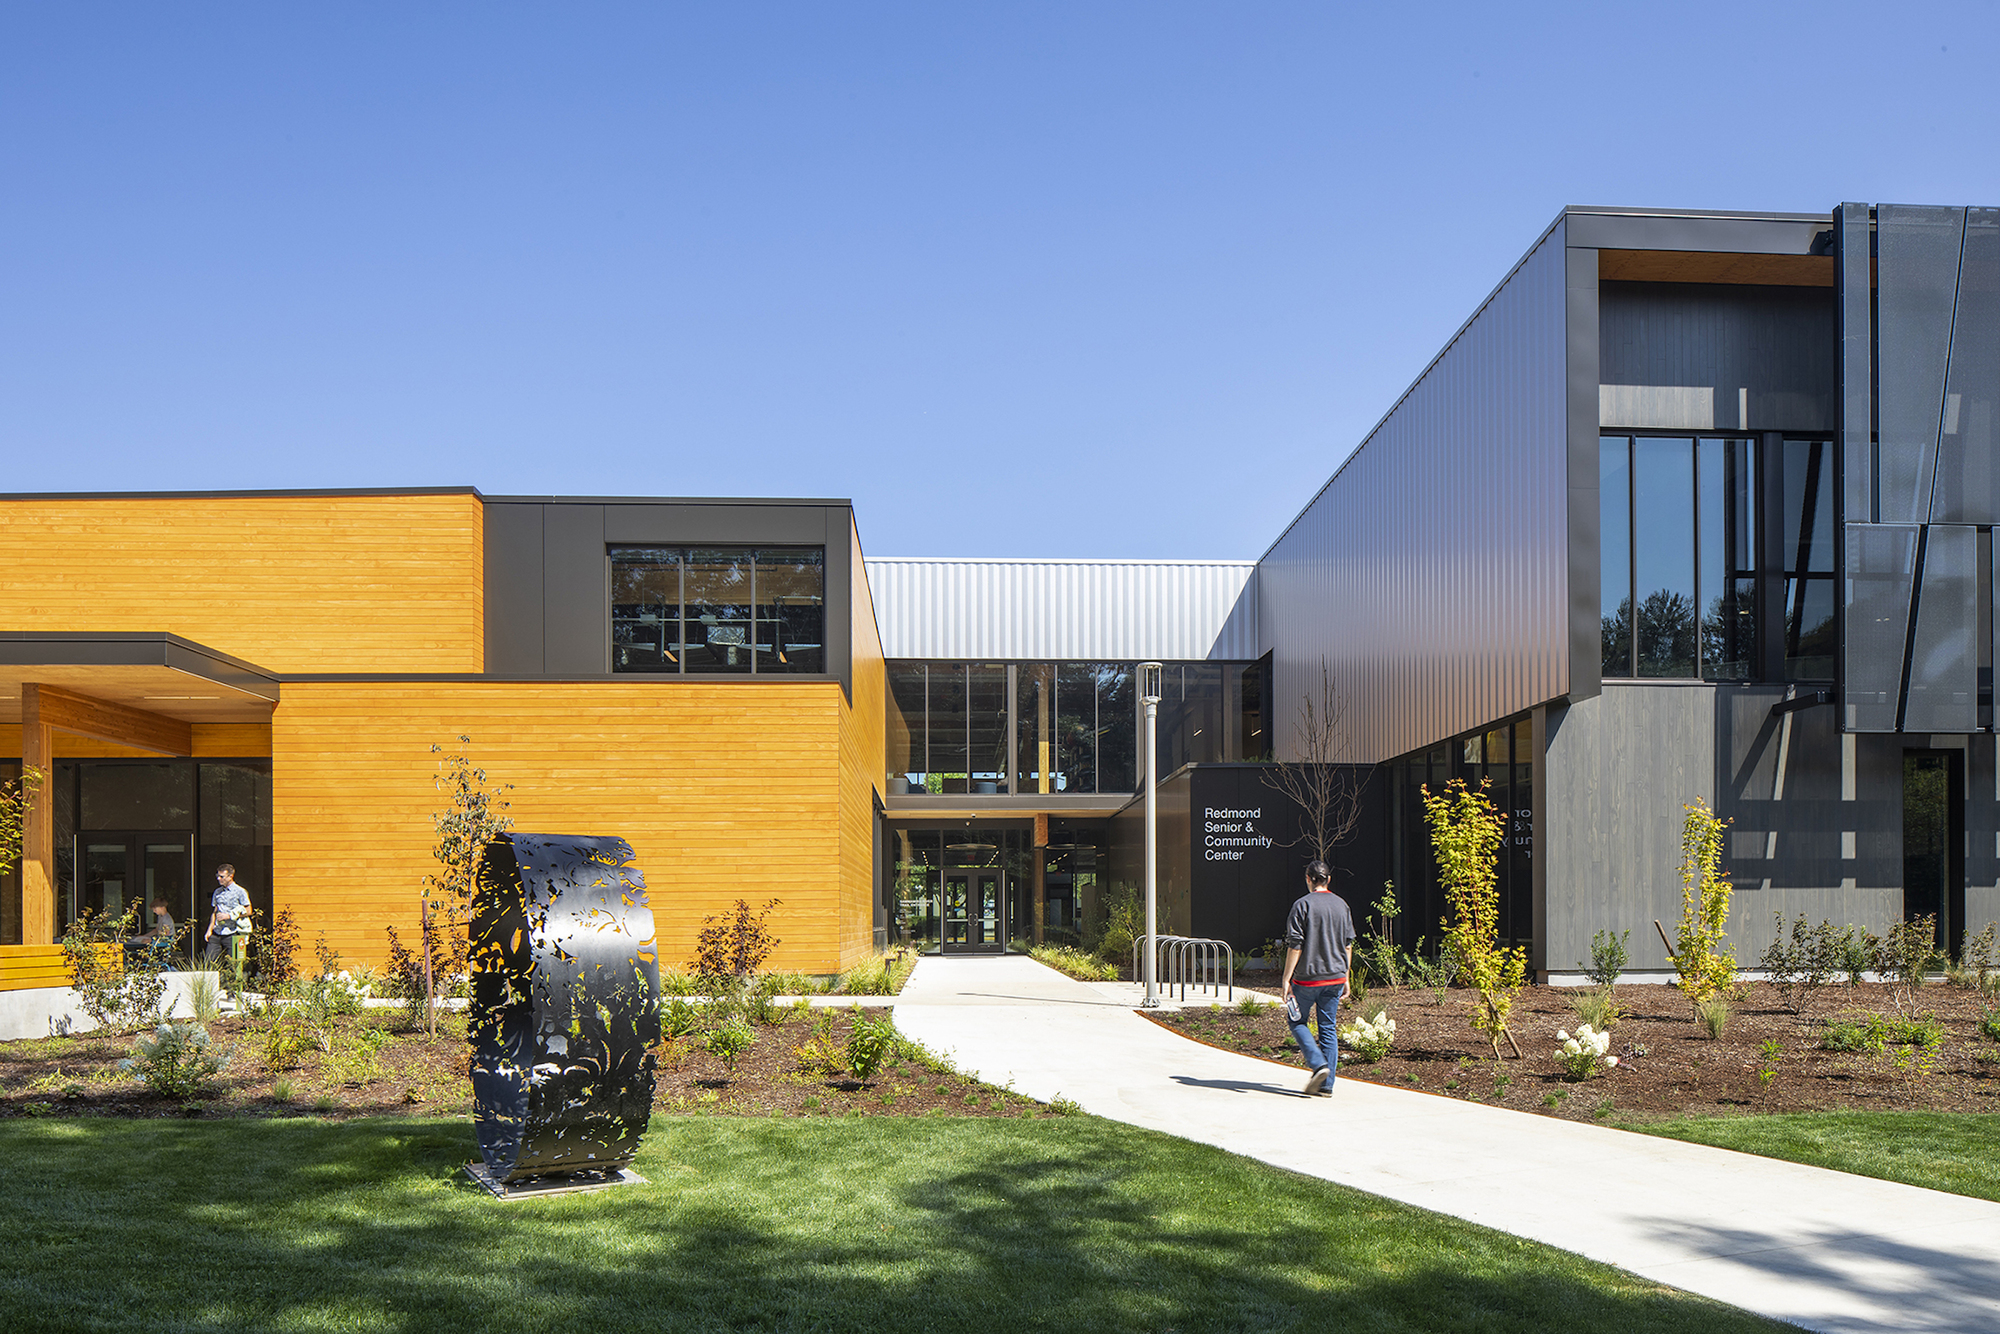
x: 1821, y: 1249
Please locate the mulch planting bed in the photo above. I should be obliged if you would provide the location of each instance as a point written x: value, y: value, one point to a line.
x: 412, y: 1073
x: 1681, y: 1071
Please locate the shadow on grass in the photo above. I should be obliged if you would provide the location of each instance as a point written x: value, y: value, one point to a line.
x: 874, y: 1225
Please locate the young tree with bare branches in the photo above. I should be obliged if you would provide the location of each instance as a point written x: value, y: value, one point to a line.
x: 1319, y: 780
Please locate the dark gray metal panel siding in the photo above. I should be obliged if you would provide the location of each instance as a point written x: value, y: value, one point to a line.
x: 1918, y: 284
x: 1620, y: 767
x: 1815, y: 817
x: 1586, y: 655
x: 1967, y: 488
x: 1944, y: 650
x: 1431, y: 573
x: 514, y: 629
x: 1773, y: 351
x: 576, y: 615
x: 1857, y: 360
x: 1881, y: 566
x: 638, y: 523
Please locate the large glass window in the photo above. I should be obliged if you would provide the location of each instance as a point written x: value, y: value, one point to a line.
x: 748, y: 610
x: 1694, y: 583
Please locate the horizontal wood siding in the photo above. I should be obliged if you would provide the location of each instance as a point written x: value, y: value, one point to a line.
x: 222, y: 740
x: 724, y: 792
x: 863, y: 758
x: 26, y: 967
x: 291, y: 583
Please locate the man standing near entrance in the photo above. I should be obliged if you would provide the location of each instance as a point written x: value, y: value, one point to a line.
x: 1319, y: 954
x: 229, y: 920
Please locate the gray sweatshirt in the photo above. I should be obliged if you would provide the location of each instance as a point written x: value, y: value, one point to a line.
x: 1321, y: 929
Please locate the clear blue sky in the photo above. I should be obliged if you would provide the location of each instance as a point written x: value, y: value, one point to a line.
x: 1066, y: 279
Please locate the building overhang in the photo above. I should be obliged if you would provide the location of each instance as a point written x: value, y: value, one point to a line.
x: 153, y: 673
x: 959, y: 806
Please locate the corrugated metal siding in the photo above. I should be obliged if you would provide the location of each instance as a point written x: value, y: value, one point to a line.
x: 1077, y: 611
x: 1432, y: 572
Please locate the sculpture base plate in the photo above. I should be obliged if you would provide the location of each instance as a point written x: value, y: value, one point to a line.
x: 556, y: 1183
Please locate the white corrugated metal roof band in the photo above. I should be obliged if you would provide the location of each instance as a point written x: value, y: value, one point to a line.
x: 1065, y: 610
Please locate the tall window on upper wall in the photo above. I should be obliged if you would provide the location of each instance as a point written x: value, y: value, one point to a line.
x: 1718, y: 558
x: 744, y: 610
x: 1678, y: 557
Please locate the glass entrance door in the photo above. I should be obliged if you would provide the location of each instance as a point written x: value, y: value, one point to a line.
x: 972, y: 912
x: 118, y: 869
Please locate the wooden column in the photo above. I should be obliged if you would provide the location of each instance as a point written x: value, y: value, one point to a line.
x: 38, y: 834
x: 1039, y: 881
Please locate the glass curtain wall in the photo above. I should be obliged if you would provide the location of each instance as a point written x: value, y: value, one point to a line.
x: 718, y: 610
x: 129, y: 832
x: 1698, y: 580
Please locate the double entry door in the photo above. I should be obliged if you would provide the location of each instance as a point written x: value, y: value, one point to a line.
x: 974, y: 912
x: 119, y: 868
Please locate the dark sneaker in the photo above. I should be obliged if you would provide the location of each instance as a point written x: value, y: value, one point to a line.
x: 1316, y: 1083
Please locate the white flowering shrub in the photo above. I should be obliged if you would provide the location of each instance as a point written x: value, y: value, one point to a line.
x: 1370, y: 1039
x: 1583, y: 1055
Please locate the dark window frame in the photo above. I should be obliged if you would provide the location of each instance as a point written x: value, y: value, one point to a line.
x: 682, y: 553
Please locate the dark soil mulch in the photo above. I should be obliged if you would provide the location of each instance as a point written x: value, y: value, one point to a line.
x: 1681, y: 1071
x: 405, y: 1072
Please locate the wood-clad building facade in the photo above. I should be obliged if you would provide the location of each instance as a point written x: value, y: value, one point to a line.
x: 261, y: 679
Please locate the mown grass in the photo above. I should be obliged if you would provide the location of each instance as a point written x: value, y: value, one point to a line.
x: 1956, y: 1152
x: 932, y: 1224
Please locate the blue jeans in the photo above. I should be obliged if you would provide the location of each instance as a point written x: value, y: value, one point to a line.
x: 1324, y: 1002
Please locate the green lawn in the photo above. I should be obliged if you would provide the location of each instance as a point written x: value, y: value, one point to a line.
x: 880, y: 1224
x: 1958, y: 1152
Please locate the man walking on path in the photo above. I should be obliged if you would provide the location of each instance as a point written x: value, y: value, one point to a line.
x: 1319, y: 953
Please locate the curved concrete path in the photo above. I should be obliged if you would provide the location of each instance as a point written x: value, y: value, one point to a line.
x: 1821, y: 1249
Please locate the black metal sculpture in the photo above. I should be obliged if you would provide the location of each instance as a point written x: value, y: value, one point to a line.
x: 565, y: 1006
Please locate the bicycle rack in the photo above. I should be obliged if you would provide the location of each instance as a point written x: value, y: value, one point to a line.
x: 1189, y: 961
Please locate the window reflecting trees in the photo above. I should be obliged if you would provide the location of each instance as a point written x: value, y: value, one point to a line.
x: 1696, y: 579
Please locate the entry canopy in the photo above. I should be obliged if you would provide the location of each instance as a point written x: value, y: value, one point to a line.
x: 153, y: 672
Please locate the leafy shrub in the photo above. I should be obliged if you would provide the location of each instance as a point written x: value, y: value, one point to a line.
x: 1061, y: 1106
x: 676, y: 982
x: 1856, y: 1033
x: 869, y: 1042
x: 1597, y: 1007
x: 1989, y: 1025
x: 1922, y: 1030
x: 728, y: 1041
x: 277, y: 952
x: 735, y: 943
x: 1908, y: 950
x: 175, y: 1062
x: 1705, y: 968
x: 1977, y: 957
x: 1583, y: 1056
x: 284, y: 1042
x: 116, y: 994
x: 1857, y: 953
x: 1803, y: 963
x: 762, y: 1005
x: 1122, y: 925
x: 1370, y: 1039
x: 1075, y: 963
x: 1712, y: 1015
x: 1607, y: 957
x: 1466, y: 831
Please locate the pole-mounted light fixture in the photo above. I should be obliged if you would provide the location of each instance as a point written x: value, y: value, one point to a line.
x: 1149, y: 690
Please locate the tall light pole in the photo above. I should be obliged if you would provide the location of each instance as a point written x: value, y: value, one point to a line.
x: 1149, y: 690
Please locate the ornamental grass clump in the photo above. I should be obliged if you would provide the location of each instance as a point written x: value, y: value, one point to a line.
x: 1583, y: 1055
x: 1706, y: 969
x: 1465, y: 832
x: 1370, y: 1039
